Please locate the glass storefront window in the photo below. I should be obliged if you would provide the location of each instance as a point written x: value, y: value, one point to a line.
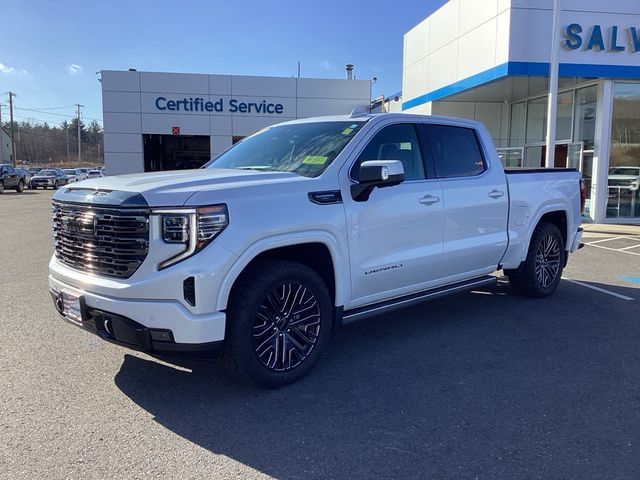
x: 624, y: 159
x: 537, y: 120
x: 518, y: 122
x: 584, y: 130
x: 564, y: 114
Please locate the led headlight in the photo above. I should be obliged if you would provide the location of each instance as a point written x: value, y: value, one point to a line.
x: 193, y: 227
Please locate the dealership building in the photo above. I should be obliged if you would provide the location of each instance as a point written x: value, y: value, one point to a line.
x: 166, y: 121
x: 489, y: 60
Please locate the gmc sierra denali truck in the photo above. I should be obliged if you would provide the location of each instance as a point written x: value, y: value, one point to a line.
x: 300, y: 228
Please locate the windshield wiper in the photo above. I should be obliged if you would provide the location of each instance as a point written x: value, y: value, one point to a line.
x: 257, y: 168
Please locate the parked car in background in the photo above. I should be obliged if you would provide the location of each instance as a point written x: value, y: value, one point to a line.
x: 49, y: 178
x: 81, y: 174
x: 26, y: 176
x: 11, y: 178
x: 626, y: 177
x: 95, y: 174
x: 34, y: 170
x: 71, y: 174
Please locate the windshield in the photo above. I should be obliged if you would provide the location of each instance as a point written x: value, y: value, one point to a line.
x: 47, y: 172
x: 69, y: 171
x: 303, y: 148
x: 625, y: 171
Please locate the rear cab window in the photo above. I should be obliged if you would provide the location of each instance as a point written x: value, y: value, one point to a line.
x: 456, y: 151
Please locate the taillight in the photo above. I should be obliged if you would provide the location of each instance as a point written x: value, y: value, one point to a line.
x: 583, y: 195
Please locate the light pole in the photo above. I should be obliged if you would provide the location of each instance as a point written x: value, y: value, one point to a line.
x: 552, y: 107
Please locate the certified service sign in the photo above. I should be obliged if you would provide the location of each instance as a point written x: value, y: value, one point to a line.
x: 198, y: 104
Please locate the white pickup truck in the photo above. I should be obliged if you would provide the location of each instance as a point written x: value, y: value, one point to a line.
x: 300, y: 228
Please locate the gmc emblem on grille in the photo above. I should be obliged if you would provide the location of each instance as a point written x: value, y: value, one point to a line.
x: 80, y: 224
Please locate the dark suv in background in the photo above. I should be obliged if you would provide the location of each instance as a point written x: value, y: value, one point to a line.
x: 49, y: 178
x: 11, y: 178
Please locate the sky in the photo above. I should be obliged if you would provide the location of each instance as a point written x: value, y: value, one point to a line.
x: 52, y: 50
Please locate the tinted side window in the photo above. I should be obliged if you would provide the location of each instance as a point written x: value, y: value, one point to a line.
x: 395, y: 142
x: 456, y: 152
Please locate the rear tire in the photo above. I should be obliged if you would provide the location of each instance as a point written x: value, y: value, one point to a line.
x: 539, y: 274
x: 279, y: 321
x: 20, y: 187
x: 55, y: 185
x: 1, y: 187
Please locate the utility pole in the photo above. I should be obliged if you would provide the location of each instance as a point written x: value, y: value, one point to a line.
x: 66, y: 130
x: 79, y: 133
x: 13, y: 142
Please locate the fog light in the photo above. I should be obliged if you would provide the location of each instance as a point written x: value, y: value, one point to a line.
x: 161, y: 335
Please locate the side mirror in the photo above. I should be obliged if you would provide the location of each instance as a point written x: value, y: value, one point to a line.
x: 376, y: 173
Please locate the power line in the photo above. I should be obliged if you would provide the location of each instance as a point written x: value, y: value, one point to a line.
x: 53, y: 113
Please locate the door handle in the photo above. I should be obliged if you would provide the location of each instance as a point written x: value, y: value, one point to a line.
x: 496, y: 193
x: 429, y: 200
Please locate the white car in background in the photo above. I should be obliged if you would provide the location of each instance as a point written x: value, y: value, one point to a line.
x: 625, y: 176
x: 95, y: 174
x: 81, y: 174
x: 71, y: 174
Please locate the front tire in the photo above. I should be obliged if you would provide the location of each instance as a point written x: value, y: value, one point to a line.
x: 20, y: 187
x: 539, y: 274
x: 55, y: 185
x: 279, y: 321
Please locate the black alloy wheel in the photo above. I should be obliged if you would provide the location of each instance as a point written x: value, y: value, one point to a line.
x: 547, y: 261
x: 286, y: 327
x: 540, y: 273
x: 279, y: 321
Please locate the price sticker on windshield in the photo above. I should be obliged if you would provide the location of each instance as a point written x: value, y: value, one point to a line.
x: 315, y: 160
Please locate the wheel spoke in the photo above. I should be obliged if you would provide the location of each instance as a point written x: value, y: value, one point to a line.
x: 286, y: 326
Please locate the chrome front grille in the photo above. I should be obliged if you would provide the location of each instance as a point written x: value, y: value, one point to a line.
x: 100, y: 240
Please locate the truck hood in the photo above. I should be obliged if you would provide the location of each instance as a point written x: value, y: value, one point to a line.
x: 172, y: 188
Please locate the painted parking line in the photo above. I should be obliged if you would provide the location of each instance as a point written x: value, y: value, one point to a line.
x: 623, y: 249
x: 605, y: 240
x: 590, y: 244
x: 598, y: 289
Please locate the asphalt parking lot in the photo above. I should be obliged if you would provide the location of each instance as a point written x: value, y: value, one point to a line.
x: 481, y: 385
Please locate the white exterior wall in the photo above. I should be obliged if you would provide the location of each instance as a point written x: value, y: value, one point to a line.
x: 461, y: 39
x: 467, y: 38
x: 130, y: 110
x: 5, y: 147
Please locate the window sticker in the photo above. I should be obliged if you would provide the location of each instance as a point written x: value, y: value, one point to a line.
x: 315, y: 160
x: 347, y: 131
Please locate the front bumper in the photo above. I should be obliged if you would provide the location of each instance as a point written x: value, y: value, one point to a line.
x: 186, y: 327
x: 131, y: 334
x: 577, y: 241
x: 43, y: 183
